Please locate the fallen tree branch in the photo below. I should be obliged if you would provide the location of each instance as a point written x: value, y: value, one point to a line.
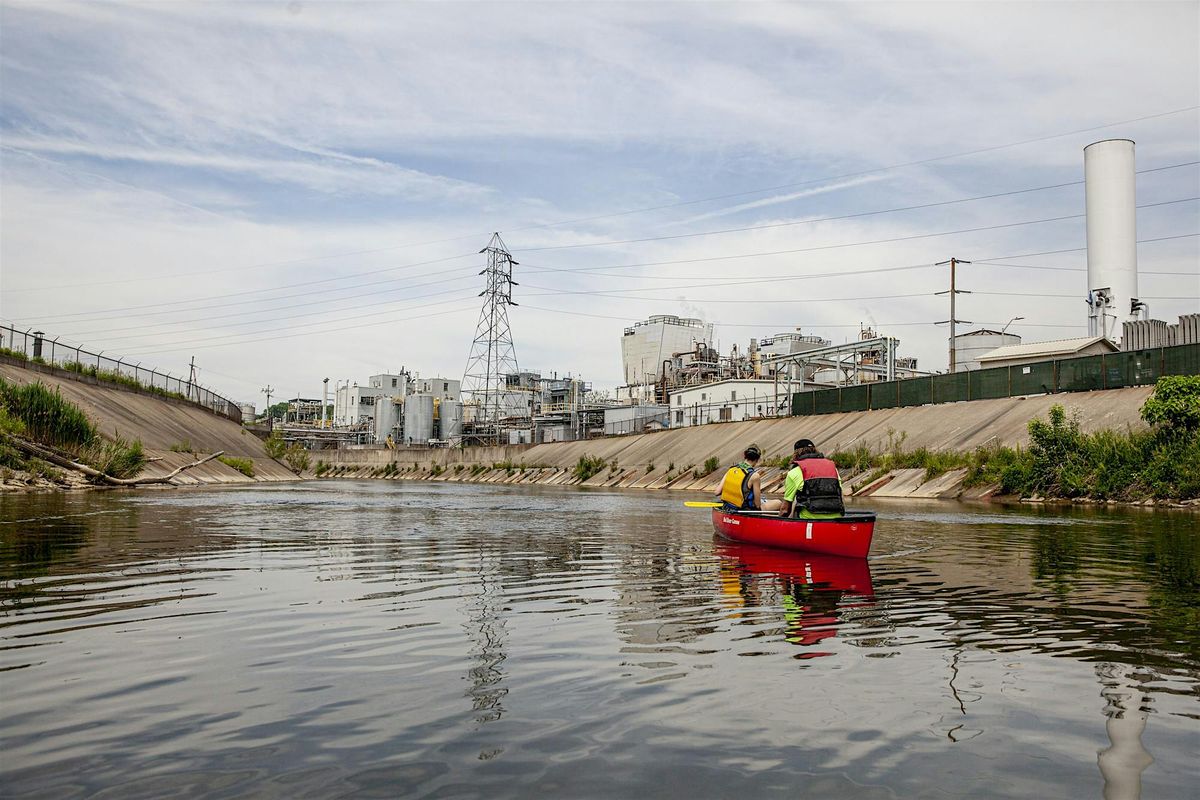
x: 62, y: 460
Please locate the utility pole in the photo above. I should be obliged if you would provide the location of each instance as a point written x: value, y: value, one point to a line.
x: 192, y: 378
x: 953, y: 262
x: 270, y: 420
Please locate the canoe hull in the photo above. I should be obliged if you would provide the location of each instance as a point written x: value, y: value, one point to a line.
x: 848, y: 535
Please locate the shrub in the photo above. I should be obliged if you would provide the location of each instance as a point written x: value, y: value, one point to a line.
x: 182, y: 447
x: 321, y: 468
x: 1174, y: 407
x: 297, y: 457
x: 710, y: 466
x: 242, y: 465
x: 117, y: 457
x: 587, y: 467
x: 275, y: 446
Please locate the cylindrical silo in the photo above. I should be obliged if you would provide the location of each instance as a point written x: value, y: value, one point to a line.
x: 418, y: 418
x: 385, y: 418
x: 247, y: 410
x: 1109, y: 183
x: 450, y: 421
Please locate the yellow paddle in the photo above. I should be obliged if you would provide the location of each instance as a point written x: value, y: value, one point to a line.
x: 698, y: 504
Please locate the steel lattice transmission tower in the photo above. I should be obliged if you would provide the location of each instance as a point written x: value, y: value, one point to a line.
x: 493, y: 357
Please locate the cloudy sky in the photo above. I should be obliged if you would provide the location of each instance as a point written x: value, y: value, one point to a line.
x: 292, y: 191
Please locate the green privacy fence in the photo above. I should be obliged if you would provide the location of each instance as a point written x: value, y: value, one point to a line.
x: 1108, y: 371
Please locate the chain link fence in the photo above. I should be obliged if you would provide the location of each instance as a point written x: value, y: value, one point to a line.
x: 1107, y: 371
x: 35, y: 348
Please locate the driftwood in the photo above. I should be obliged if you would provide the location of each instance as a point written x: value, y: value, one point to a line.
x: 62, y: 460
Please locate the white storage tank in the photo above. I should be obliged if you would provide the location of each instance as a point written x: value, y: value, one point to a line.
x: 247, y: 410
x: 1109, y: 184
x: 386, y: 417
x: 418, y: 418
x: 968, y: 347
x: 450, y: 418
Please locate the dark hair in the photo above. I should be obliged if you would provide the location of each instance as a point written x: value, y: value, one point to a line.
x: 752, y: 453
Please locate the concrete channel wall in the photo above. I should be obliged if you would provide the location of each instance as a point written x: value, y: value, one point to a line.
x: 161, y: 423
x: 674, y: 459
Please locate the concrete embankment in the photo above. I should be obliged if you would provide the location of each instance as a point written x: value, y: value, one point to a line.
x: 674, y: 459
x: 160, y: 423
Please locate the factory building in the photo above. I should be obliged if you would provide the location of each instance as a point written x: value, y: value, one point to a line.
x: 784, y: 344
x: 442, y: 388
x: 646, y: 345
x: 1147, y: 333
x: 727, y: 401
x: 354, y: 404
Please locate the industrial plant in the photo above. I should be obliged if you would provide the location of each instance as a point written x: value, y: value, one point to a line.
x: 675, y: 375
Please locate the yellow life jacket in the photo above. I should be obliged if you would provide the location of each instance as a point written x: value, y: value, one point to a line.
x: 735, y: 489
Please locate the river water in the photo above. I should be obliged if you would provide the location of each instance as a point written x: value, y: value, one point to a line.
x: 386, y: 639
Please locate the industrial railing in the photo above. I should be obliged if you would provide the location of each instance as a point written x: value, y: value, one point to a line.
x: 33, y: 347
x: 1081, y: 374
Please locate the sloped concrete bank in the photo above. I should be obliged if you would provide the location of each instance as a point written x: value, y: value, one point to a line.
x: 675, y: 459
x: 160, y: 424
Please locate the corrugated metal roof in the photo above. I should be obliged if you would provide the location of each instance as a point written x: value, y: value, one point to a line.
x: 1057, y: 347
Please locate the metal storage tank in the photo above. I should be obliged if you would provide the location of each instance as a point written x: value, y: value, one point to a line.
x: 1109, y: 184
x: 247, y: 410
x: 418, y: 418
x: 968, y: 347
x: 386, y: 417
x: 450, y: 418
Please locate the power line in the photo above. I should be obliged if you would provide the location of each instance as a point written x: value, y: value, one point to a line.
x: 890, y: 240
x: 781, y: 325
x: 272, y: 289
x: 812, y: 220
x: 875, y: 170
x: 258, y: 312
x: 254, y: 339
x: 860, y: 173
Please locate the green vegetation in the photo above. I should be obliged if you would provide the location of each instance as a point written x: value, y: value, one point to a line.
x: 1061, y: 461
x: 116, y: 457
x: 650, y: 467
x: 242, y: 465
x: 710, y: 466
x: 182, y: 447
x: 46, y: 416
x: 275, y: 446
x: 588, y: 467
x: 297, y: 457
x: 120, y: 378
x: 321, y: 468
x: 17, y: 354
x: 35, y: 412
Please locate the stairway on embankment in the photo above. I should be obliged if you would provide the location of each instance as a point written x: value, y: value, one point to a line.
x: 160, y: 423
x: 674, y: 459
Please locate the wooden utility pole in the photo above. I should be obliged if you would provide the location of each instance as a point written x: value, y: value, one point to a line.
x: 270, y: 420
x: 953, y: 262
x: 192, y: 379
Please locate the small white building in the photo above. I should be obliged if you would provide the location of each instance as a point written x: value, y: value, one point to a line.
x: 726, y: 401
x: 1046, y: 351
x: 353, y: 404
x: 441, y: 388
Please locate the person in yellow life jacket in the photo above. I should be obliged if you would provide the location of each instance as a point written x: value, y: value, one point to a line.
x: 741, y: 489
x: 813, y: 487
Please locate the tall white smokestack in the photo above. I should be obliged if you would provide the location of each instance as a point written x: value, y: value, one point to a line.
x: 1108, y: 170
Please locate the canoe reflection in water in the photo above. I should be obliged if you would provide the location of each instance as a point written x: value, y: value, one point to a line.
x: 812, y: 590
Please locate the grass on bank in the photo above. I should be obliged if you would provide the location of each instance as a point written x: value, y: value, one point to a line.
x: 242, y: 465
x: 37, y: 413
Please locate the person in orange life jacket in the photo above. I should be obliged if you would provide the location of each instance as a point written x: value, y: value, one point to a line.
x: 741, y: 488
x: 813, y: 486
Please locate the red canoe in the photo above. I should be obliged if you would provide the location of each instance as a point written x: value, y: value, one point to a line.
x: 847, y: 535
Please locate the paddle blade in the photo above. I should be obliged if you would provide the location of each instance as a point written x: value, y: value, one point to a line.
x: 697, y: 504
